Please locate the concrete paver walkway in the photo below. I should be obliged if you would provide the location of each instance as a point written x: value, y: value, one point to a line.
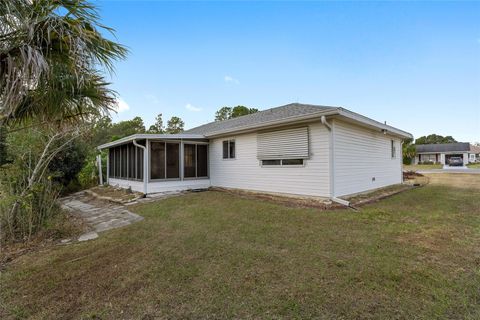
x: 99, y: 215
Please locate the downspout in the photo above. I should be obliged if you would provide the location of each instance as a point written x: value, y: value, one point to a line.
x: 145, y: 163
x: 323, y: 119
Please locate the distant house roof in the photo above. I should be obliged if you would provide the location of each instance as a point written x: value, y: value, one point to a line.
x: 290, y: 113
x: 474, y: 149
x: 443, y: 147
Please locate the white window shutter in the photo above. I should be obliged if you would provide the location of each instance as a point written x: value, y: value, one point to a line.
x: 283, y: 144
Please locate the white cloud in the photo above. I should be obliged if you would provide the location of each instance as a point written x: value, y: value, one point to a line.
x: 229, y: 79
x: 152, y: 98
x: 121, y: 105
x: 192, y: 108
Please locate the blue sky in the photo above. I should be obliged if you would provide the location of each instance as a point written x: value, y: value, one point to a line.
x: 415, y: 65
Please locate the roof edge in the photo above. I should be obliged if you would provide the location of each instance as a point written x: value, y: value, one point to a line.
x: 150, y: 136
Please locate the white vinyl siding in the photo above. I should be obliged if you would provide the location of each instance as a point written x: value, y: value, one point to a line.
x: 283, y: 144
x: 246, y: 172
x: 364, y: 159
x: 161, y: 186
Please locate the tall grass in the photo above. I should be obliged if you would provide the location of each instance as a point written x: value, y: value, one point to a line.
x: 35, y: 210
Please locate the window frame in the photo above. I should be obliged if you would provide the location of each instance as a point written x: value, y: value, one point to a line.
x: 196, y: 144
x: 393, y: 149
x: 281, y: 165
x: 229, y: 142
x: 165, y: 156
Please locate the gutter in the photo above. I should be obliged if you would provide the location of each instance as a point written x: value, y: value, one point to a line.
x: 145, y: 164
x: 323, y: 120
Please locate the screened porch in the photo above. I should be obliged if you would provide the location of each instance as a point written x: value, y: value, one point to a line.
x: 171, y: 163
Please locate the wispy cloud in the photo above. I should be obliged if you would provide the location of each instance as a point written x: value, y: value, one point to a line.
x: 192, y: 108
x: 121, y: 105
x: 152, y: 98
x: 230, y: 79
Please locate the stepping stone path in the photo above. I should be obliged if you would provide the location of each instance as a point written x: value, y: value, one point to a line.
x: 99, y: 215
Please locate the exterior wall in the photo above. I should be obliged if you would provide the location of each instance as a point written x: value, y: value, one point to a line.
x: 161, y: 186
x: 246, y: 172
x: 362, y: 159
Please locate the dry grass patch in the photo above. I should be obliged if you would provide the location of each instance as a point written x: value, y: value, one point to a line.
x: 455, y: 180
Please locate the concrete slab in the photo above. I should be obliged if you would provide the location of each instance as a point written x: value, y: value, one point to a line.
x: 88, y: 236
x: 99, y: 215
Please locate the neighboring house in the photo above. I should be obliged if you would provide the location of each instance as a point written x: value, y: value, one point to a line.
x: 442, y: 152
x: 294, y: 149
x: 474, y: 154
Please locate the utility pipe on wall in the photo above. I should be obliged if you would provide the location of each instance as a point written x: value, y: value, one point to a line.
x: 323, y: 119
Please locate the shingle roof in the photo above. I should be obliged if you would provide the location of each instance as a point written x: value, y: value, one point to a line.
x: 443, y: 147
x: 474, y: 149
x: 258, y: 118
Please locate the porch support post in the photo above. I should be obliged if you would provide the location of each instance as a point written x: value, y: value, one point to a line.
x: 108, y: 166
x: 145, y: 163
x: 99, y: 165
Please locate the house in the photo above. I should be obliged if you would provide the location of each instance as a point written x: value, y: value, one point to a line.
x: 442, y: 152
x: 296, y: 149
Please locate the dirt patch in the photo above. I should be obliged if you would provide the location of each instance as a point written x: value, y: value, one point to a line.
x: 377, y: 195
x: 113, y: 194
x: 290, y: 201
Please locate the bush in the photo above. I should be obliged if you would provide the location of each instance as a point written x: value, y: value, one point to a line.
x: 34, y: 210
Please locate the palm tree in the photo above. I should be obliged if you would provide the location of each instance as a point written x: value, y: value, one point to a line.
x: 53, y: 57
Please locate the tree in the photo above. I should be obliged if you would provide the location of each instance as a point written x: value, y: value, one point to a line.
x: 434, y: 139
x: 239, y: 111
x: 225, y: 113
x: 175, y: 125
x: 157, y: 127
x: 408, y: 151
x: 51, y: 55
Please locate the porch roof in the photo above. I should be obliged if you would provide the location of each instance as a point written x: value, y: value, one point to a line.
x: 179, y: 136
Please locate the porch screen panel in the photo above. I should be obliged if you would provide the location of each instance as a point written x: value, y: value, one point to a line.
x: 173, y: 160
x: 202, y: 160
x: 283, y: 144
x: 139, y: 174
x: 131, y: 161
x: 117, y: 162
x: 124, y: 161
x: 110, y: 162
x: 157, y: 160
x: 189, y: 161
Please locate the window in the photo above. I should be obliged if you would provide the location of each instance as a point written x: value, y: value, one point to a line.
x: 392, y: 149
x: 283, y: 162
x: 229, y: 149
x: 195, y: 160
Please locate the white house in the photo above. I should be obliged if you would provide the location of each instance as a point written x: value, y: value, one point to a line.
x: 295, y: 149
x: 442, y: 152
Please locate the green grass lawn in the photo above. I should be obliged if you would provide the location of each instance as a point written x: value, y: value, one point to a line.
x: 214, y: 255
x: 474, y: 165
x: 417, y: 167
